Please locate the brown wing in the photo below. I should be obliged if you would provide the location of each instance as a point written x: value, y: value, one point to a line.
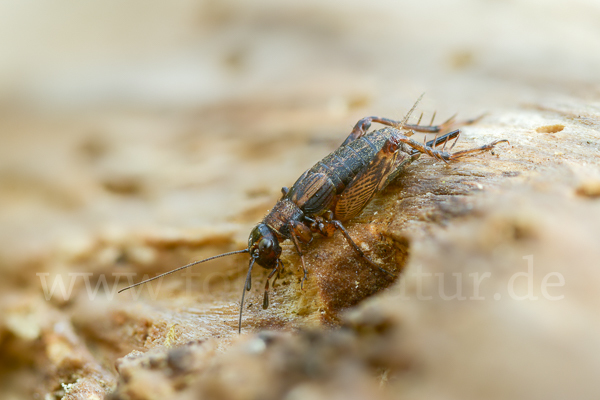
x: 313, y: 192
x: 368, y: 182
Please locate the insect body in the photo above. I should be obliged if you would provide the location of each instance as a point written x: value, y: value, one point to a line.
x: 337, y: 188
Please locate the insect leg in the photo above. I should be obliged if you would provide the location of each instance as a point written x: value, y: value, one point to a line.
x: 443, y: 155
x: 279, y: 270
x: 444, y: 139
x: 400, y: 163
x: 338, y: 225
x: 485, y: 147
x: 266, y: 297
x: 364, y: 124
x: 246, y: 288
x: 299, y: 250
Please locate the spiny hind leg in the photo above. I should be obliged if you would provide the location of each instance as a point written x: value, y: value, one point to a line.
x: 443, y: 128
x: 415, y: 154
x: 441, y: 154
x: 485, y: 147
x: 364, y: 124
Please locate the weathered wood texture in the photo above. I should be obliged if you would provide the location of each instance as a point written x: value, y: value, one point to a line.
x: 497, y: 295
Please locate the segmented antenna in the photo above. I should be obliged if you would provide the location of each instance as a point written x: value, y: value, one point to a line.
x: 184, y: 267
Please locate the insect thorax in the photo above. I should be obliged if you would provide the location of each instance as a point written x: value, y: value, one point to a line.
x: 281, y: 215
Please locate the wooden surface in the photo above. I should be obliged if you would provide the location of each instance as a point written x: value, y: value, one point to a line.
x: 133, y: 150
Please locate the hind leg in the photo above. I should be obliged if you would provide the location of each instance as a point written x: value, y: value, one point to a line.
x: 364, y: 124
x: 441, y: 154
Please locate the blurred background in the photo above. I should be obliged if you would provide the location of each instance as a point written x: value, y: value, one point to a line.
x: 128, y: 116
x: 114, y: 111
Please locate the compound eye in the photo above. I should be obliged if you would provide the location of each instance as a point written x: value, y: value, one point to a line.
x: 265, y: 245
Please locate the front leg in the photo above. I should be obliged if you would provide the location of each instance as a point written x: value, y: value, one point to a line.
x: 277, y: 268
x: 300, y: 233
x: 441, y: 154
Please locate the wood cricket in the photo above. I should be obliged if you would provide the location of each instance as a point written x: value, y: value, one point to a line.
x: 337, y: 188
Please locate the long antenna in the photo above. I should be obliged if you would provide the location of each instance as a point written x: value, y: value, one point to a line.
x: 185, y: 266
x: 246, y: 287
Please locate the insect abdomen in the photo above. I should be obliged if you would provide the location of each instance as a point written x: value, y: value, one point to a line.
x: 346, y: 162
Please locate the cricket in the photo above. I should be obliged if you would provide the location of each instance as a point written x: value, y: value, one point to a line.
x: 337, y: 188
